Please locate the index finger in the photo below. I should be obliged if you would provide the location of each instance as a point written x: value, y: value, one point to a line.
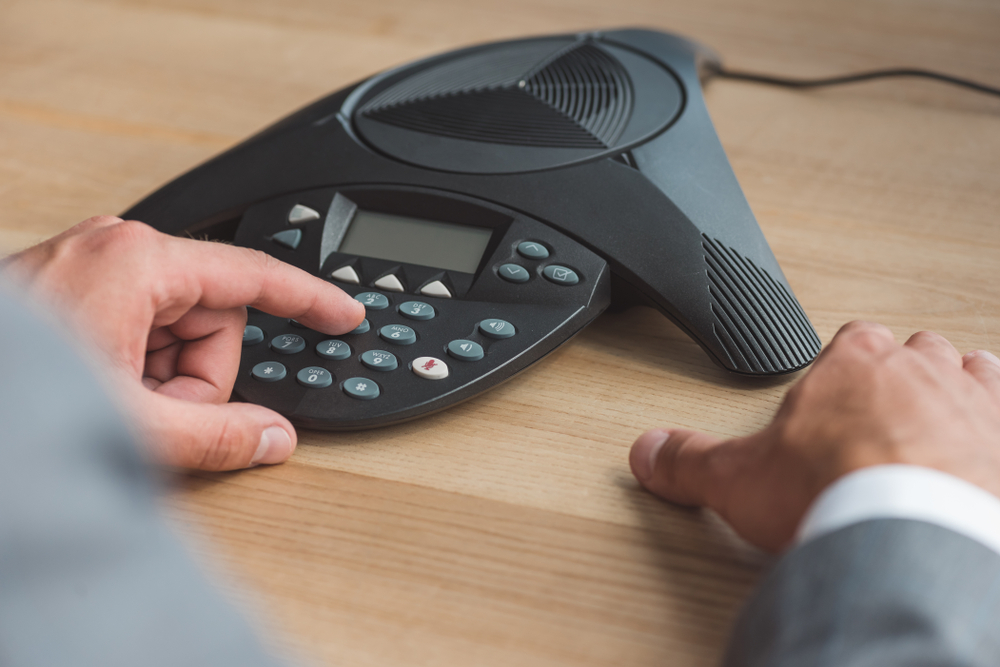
x: 222, y: 276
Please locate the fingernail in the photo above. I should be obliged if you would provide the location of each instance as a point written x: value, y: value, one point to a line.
x: 275, y: 446
x: 986, y: 355
x: 642, y: 458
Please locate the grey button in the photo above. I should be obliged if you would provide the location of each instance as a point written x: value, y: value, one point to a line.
x: 297, y: 324
x: 398, y: 334
x: 514, y: 273
x: 290, y: 238
x: 314, y: 378
x: 288, y: 344
x: 334, y: 349
x: 362, y: 388
x: 466, y: 350
x: 560, y: 275
x: 268, y: 371
x: 494, y: 328
x: 300, y: 213
x: 252, y: 335
x: 364, y: 327
x: 380, y: 360
x: 532, y: 250
x: 417, y: 310
x: 373, y: 300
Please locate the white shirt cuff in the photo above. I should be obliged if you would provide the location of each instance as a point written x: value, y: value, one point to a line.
x: 905, y: 492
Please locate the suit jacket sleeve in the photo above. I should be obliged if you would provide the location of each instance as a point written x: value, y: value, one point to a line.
x: 880, y: 593
x: 90, y: 576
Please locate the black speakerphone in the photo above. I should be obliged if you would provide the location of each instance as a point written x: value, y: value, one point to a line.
x: 485, y: 205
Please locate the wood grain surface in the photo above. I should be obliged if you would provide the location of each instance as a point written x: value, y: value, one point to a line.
x: 508, y: 530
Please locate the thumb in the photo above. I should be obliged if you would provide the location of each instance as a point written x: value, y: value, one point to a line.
x: 677, y: 465
x: 206, y: 436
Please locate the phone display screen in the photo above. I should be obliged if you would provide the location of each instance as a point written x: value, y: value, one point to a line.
x: 397, y: 238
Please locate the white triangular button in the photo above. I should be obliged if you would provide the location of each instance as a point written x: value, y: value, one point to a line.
x: 436, y: 288
x: 389, y: 283
x: 300, y: 213
x: 346, y: 274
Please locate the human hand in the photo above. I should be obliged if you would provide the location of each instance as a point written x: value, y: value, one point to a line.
x: 167, y: 316
x: 866, y: 401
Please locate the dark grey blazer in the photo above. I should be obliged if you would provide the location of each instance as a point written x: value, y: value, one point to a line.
x: 89, y: 574
x: 882, y: 593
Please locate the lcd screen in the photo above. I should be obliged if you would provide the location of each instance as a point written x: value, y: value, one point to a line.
x: 414, y: 241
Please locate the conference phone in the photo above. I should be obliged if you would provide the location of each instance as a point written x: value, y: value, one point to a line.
x: 485, y: 205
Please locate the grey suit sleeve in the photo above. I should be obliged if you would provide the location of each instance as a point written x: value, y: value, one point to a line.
x: 90, y: 576
x: 880, y: 593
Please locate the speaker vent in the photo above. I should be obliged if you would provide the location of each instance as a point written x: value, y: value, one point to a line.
x: 577, y: 97
x: 757, y: 319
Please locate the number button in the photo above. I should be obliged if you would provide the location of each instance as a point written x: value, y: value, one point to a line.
x: 333, y: 349
x: 373, y: 300
x: 494, y: 328
x: 364, y: 327
x: 417, y: 310
x: 398, y: 334
x: 252, y: 335
x: 514, y: 273
x: 314, y: 378
x: 380, y: 360
x: 268, y: 371
x: 288, y: 344
x: 361, y: 388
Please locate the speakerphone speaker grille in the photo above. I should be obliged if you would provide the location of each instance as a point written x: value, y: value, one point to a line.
x: 578, y: 97
x: 756, y: 318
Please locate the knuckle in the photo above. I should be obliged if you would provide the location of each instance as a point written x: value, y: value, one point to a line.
x: 220, y: 451
x: 124, y: 239
x: 260, y: 259
x: 101, y: 220
x: 867, y: 340
x: 928, y: 337
x: 131, y: 232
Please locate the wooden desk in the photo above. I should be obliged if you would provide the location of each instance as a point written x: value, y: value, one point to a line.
x: 508, y: 531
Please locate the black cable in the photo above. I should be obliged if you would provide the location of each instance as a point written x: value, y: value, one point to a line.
x: 719, y: 70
